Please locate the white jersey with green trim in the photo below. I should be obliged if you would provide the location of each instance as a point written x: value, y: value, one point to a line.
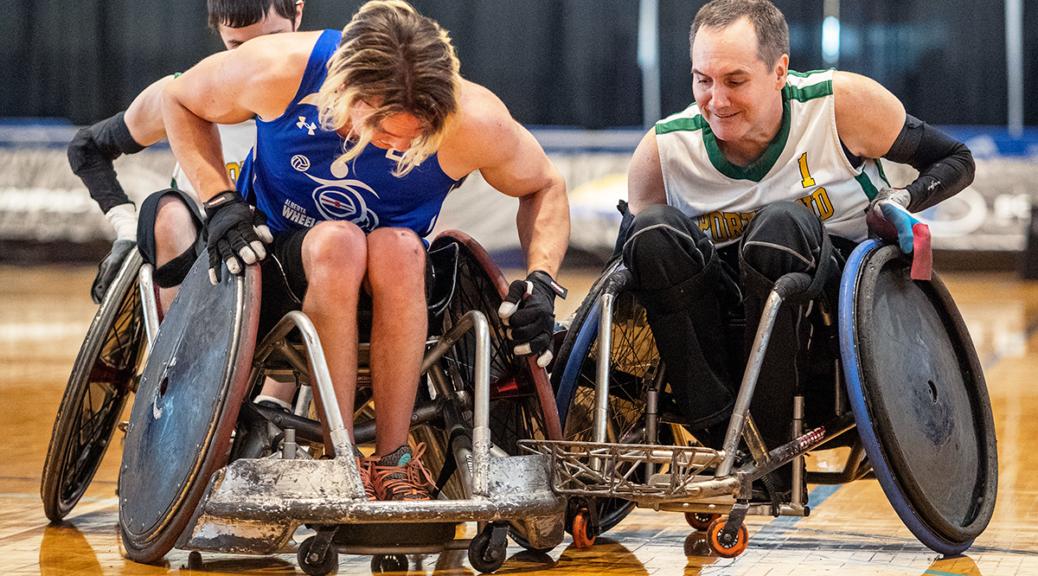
x: 237, y: 141
x: 805, y: 163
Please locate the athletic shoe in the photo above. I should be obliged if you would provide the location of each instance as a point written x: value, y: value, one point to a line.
x: 401, y: 475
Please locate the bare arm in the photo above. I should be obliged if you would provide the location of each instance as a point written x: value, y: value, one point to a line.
x: 258, y: 79
x: 868, y: 116
x: 144, y: 116
x: 513, y: 162
x: 645, y: 176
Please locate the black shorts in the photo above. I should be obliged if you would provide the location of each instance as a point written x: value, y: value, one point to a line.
x: 285, y: 284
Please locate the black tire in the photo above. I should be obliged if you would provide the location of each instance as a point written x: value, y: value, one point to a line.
x: 388, y: 563
x: 186, y: 408
x: 484, y: 555
x: 521, y: 403
x: 102, y: 378
x: 634, y: 360
x: 919, y: 397
x: 522, y: 406
x: 328, y: 565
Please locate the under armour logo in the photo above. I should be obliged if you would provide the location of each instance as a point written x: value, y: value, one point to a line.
x: 309, y: 127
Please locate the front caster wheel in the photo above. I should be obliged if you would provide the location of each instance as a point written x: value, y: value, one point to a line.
x: 700, y: 521
x: 726, y: 545
x: 317, y: 566
x: 388, y: 563
x: 488, y: 549
x: 583, y: 532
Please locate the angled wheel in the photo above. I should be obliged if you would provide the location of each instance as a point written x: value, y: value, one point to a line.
x: 186, y: 407
x: 102, y: 378
x: 633, y: 363
x: 920, y: 402
x: 522, y: 405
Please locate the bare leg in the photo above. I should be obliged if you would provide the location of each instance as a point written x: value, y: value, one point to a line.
x: 334, y: 258
x: 396, y: 274
x: 175, y: 232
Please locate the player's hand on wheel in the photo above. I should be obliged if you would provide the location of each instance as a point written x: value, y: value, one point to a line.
x: 888, y: 217
x: 235, y: 234
x: 529, y: 312
x: 109, y: 267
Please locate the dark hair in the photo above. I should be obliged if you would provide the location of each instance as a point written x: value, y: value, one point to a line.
x: 242, y: 13
x: 768, y: 22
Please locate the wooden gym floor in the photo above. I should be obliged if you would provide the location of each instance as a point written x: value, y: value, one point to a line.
x: 852, y: 530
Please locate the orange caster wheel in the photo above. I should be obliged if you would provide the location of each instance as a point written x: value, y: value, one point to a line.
x: 700, y: 520
x: 583, y: 534
x: 726, y: 547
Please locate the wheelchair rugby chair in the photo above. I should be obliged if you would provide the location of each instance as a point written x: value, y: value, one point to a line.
x: 910, y: 401
x: 201, y: 471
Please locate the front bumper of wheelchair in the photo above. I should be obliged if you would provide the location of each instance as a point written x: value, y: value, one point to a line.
x: 255, y: 506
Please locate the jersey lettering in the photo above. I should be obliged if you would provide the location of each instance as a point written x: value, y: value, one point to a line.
x: 819, y: 203
x: 724, y: 226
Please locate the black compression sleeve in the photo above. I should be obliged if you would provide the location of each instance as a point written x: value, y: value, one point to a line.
x: 91, y: 152
x: 945, y: 165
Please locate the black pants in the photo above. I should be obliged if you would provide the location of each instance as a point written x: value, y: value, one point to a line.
x: 704, y: 305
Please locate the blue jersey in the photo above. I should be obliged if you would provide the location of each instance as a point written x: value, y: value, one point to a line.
x: 294, y: 174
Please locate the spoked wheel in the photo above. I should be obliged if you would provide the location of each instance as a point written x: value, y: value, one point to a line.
x: 522, y: 406
x: 186, y: 407
x: 103, y: 377
x: 726, y: 545
x: 634, y: 361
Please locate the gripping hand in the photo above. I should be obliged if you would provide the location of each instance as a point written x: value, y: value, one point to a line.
x: 109, y: 267
x: 235, y: 233
x: 888, y: 217
x: 529, y: 313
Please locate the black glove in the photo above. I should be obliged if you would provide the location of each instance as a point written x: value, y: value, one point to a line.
x: 529, y: 313
x: 234, y: 230
x: 109, y: 267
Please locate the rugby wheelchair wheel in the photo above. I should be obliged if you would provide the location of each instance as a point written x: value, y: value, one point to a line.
x: 919, y: 399
x: 186, y: 407
x: 522, y: 406
x: 102, y: 378
x: 633, y: 365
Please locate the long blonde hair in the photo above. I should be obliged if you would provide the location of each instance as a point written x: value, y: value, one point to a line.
x: 393, y: 56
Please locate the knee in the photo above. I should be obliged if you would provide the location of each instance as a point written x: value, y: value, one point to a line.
x: 661, y: 236
x: 175, y: 228
x: 333, y: 248
x: 782, y: 237
x: 395, y: 253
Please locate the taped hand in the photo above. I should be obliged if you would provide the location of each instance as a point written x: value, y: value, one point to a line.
x: 888, y: 217
x: 235, y: 233
x: 109, y: 267
x: 529, y: 313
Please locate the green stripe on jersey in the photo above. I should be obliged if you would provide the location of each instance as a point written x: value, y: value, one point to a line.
x: 685, y: 124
